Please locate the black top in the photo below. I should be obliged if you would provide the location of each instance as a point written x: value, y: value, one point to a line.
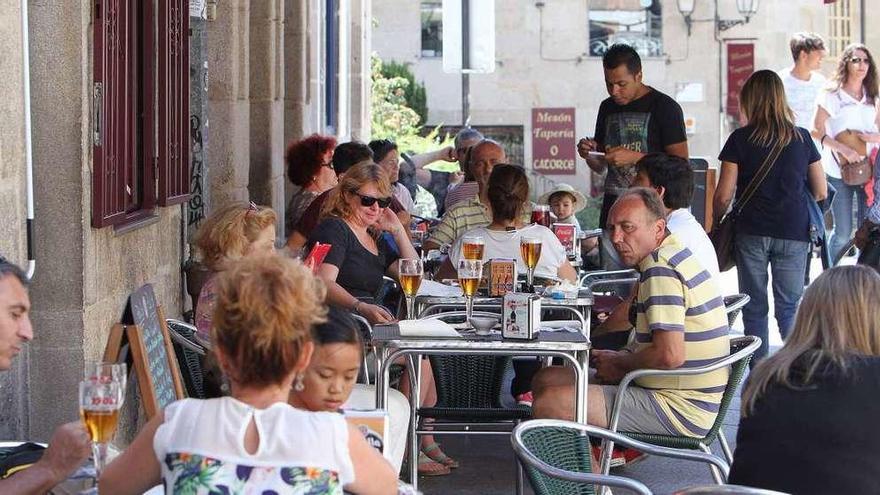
x: 648, y: 124
x: 822, y: 440
x: 360, y: 271
x: 778, y: 208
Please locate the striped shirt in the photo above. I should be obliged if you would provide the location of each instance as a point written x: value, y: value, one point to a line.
x: 466, y: 216
x: 460, y: 193
x: 676, y: 294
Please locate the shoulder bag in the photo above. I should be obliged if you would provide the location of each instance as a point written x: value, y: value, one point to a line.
x: 723, y: 235
x: 853, y: 173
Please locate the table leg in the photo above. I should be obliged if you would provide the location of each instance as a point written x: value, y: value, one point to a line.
x: 413, y: 363
x: 581, y: 373
x: 382, y: 378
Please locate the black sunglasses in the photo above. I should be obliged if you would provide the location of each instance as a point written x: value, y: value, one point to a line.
x: 368, y: 201
x: 856, y: 60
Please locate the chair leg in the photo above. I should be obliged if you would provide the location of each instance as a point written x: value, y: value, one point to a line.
x: 716, y: 475
x: 722, y: 439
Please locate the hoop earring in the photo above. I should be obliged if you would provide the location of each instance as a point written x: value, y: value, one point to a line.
x: 298, y: 384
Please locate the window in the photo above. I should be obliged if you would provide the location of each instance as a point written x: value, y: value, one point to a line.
x: 432, y: 29
x: 140, y: 108
x: 635, y: 22
x: 839, y: 27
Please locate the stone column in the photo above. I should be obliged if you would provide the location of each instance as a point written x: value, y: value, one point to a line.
x: 266, y: 71
x: 360, y: 73
x: 228, y: 109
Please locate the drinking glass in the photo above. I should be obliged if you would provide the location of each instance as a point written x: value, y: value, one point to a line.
x: 469, y: 274
x: 541, y: 215
x: 472, y: 247
x: 411, y: 271
x: 99, y: 403
x: 530, y: 250
x: 107, y: 372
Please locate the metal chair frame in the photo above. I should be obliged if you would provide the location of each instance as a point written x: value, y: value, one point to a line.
x: 190, y: 356
x: 745, y: 353
x: 531, y: 461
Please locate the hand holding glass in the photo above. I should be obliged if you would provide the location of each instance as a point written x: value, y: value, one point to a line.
x: 410, y: 279
x: 469, y: 274
x: 99, y: 404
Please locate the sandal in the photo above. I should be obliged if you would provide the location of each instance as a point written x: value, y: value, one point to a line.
x: 432, y: 451
x: 430, y: 467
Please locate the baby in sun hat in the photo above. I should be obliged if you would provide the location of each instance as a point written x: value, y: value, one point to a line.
x: 564, y: 203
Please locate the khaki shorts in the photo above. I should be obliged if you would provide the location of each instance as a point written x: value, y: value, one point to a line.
x: 638, y: 413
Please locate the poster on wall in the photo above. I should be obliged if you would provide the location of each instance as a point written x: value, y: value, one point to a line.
x: 740, y: 65
x: 553, y: 141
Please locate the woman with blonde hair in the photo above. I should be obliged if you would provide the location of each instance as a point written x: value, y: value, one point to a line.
x: 773, y: 226
x: 809, y: 412
x: 230, y: 233
x: 253, y: 441
x: 849, y: 104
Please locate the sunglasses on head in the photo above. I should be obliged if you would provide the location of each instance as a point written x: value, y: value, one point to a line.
x: 368, y: 201
x: 858, y: 60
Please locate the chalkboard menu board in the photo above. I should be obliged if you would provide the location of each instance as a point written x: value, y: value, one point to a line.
x: 154, y: 360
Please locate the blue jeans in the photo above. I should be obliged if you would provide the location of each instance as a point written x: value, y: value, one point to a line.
x: 842, y: 211
x: 788, y: 261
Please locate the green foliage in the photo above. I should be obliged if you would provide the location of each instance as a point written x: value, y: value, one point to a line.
x: 393, y: 119
x: 414, y: 92
x: 589, y: 216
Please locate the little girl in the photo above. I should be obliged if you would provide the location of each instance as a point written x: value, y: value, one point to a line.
x: 329, y: 382
x: 564, y: 203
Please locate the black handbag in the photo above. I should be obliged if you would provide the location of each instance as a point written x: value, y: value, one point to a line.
x: 723, y: 234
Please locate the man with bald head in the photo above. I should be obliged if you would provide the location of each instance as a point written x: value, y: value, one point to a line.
x: 475, y: 211
x: 680, y: 323
x: 70, y: 445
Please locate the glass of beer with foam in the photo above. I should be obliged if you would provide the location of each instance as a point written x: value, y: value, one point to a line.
x: 469, y: 274
x: 99, y: 403
x: 411, y: 271
x: 530, y: 250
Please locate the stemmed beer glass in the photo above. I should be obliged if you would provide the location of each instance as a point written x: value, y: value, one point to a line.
x: 472, y: 247
x: 99, y: 404
x: 411, y: 271
x: 530, y: 250
x: 469, y: 274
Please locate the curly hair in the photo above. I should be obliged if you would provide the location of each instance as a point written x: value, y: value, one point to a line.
x: 266, y: 309
x: 305, y: 157
x: 355, y: 178
x: 228, y: 232
x: 870, y: 83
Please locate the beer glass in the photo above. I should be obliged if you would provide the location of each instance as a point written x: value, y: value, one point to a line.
x: 541, y: 215
x: 410, y: 279
x: 108, y: 372
x: 530, y: 250
x: 99, y: 404
x: 469, y: 274
x: 472, y: 247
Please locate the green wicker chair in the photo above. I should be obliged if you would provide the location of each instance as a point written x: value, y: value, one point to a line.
x: 733, y: 305
x: 556, y: 457
x: 741, y: 350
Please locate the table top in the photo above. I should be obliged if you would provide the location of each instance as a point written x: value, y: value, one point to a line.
x: 583, y: 299
x: 389, y: 335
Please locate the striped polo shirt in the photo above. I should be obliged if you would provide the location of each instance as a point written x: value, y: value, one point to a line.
x: 466, y: 216
x: 676, y: 294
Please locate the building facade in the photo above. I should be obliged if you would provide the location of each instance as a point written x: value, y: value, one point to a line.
x: 258, y: 75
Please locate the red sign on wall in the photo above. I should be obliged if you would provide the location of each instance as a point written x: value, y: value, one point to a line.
x: 553, y: 141
x: 740, y: 65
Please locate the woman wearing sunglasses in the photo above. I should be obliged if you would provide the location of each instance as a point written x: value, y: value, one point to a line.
x: 848, y: 108
x: 352, y: 222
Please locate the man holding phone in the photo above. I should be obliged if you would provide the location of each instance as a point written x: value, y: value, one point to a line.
x: 633, y: 121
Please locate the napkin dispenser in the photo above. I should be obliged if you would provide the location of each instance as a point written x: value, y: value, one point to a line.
x: 521, y: 316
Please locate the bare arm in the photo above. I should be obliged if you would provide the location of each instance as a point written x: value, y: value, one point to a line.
x: 816, y: 180
x: 567, y: 271
x: 136, y: 469
x: 423, y: 177
x: 678, y: 149
x: 725, y: 190
x: 666, y: 352
x: 596, y: 163
x: 338, y: 296
x: 68, y: 449
x: 372, y: 473
x: 827, y: 141
x: 296, y: 241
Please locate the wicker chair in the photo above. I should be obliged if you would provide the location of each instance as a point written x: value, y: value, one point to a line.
x: 556, y: 457
x: 741, y: 350
x: 189, y: 356
x: 733, y: 305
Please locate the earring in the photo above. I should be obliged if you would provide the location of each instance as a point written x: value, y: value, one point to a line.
x: 298, y: 384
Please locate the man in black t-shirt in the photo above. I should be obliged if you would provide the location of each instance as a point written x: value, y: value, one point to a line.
x: 635, y: 120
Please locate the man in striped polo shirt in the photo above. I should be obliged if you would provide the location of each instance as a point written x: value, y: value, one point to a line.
x: 680, y: 323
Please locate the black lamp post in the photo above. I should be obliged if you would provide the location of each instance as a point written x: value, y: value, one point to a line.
x: 746, y: 8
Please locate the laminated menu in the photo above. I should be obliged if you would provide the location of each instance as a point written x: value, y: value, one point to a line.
x: 373, y: 424
x: 566, y: 234
x: 501, y: 276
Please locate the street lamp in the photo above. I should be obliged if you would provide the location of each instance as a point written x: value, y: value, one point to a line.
x: 746, y: 8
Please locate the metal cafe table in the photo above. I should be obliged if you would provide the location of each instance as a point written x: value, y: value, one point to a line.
x: 571, y: 347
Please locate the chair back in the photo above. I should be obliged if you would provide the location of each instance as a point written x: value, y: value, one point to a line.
x: 733, y: 306
x: 744, y: 347
x: 562, y: 448
x: 189, y: 356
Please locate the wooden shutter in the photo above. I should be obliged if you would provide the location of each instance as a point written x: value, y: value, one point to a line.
x: 173, y: 89
x: 113, y: 126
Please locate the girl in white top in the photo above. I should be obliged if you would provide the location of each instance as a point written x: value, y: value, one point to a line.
x: 508, y: 191
x: 850, y: 104
x: 254, y: 441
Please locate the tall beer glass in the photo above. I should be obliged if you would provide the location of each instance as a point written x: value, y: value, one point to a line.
x: 99, y: 404
x: 530, y: 250
x: 469, y: 274
x: 472, y: 247
x: 108, y: 372
x: 411, y: 271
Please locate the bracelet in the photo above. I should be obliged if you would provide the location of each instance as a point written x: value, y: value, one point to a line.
x: 357, y: 307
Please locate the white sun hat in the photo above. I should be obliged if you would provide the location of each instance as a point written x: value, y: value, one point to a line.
x: 580, y: 199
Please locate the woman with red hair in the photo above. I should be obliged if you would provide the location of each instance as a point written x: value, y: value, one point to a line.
x: 309, y: 166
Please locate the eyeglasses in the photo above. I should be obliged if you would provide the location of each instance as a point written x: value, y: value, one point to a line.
x: 368, y: 201
x: 858, y: 60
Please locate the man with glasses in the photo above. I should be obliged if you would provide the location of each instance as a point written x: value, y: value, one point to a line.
x: 465, y: 140
x: 70, y: 445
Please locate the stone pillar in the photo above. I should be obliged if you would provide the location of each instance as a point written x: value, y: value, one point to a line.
x: 228, y: 109
x: 296, y: 70
x: 266, y: 71
x: 359, y: 69
x: 198, y: 204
